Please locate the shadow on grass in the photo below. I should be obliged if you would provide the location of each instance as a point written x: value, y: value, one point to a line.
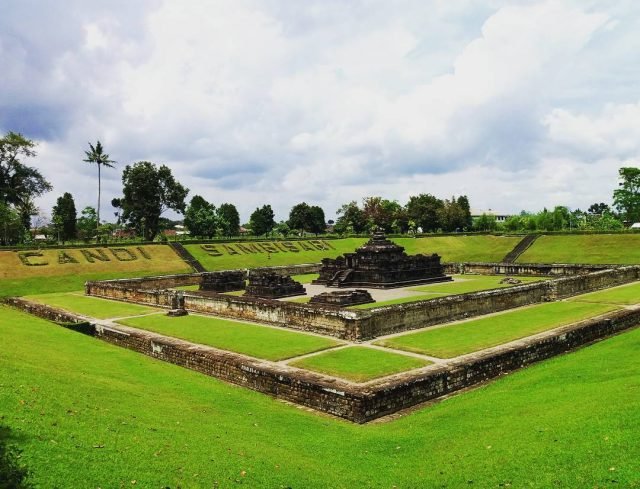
x: 13, y: 475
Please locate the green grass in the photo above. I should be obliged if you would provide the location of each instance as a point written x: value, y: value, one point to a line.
x: 466, y: 337
x: 305, y: 278
x: 187, y: 287
x: 462, y: 248
x: 462, y: 284
x: 359, y: 363
x: 89, y: 414
x: 249, y: 339
x: 599, y: 248
x: 90, y: 306
x: 624, y: 295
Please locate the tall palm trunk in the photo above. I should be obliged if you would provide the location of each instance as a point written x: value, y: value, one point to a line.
x: 98, y: 211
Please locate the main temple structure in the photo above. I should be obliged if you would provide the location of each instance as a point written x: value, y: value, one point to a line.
x: 380, y: 263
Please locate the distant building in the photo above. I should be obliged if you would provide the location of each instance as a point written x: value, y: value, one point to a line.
x: 500, y: 216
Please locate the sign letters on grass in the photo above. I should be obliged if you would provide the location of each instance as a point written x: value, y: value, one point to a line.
x: 266, y: 247
x: 90, y: 255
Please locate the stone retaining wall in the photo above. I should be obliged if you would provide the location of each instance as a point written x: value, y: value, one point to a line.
x: 358, y: 402
x: 536, y: 269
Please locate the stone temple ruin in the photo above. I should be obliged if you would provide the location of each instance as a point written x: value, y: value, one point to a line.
x: 343, y: 298
x: 380, y: 263
x: 270, y: 285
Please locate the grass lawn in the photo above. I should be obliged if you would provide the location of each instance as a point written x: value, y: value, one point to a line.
x: 249, y: 339
x: 187, y: 287
x: 461, y: 338
x: 462, y: 284
x: 623, y: 295
x: 89, y: 414
x: 598, y: 248
x: 90, y: 306
x: 359, y: 363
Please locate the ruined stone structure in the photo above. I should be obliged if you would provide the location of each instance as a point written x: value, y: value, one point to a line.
x: 380, y: 263
x: 343, y: 298
x: 270, y: 285
x: 227, y: 281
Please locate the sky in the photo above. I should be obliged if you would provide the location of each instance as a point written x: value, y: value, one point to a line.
x: 519, y: 105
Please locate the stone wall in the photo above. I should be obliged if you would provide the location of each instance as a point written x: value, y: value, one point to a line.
x: 536, y: 269
x: 358, y: 402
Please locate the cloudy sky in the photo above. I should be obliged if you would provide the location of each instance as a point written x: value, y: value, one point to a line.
x: 519, y: 105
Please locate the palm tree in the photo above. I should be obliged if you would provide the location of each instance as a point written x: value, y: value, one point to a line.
x: 99, y: 157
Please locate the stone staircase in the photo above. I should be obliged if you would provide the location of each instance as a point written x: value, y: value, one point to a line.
x: 186, y: 256
x: 339, y: 278
x: 520, y: 248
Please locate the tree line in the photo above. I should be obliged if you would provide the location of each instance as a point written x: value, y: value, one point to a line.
x: 149, y: 190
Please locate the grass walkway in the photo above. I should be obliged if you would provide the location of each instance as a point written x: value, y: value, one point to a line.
x: 359, y: 363
x: 624, y: 295
x: 78, y: 303
x: 598, y: 248
x: 469, y: 336
x: 89, y: 414
x: 249, y: 339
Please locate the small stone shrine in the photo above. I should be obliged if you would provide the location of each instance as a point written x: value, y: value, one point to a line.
x: 222, y: 281
x: 177, y: 305
x: 380, y: 263
x: 270, y: 285
x: 343, y: 298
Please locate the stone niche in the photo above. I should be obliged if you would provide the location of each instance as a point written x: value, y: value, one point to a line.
x: 343, y: 298
x: 270, y: 285
x: 380, y: 263
x: 223, y: 281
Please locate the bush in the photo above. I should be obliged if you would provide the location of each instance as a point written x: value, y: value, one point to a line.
x: 12, y: 475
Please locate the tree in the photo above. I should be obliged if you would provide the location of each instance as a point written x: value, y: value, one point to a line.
x: 299, y: 217
x: 65, y: 217
x: 379, y: 212
x: 627, y: 198
x: 452, y: 216
x: 350, y: 219
x: 463, y: 202
x: 200, y: 217
x: 262, y: 220
x: 486, y: 222
x: 19, y: 183
x: 423, y: 210
x: 316, y: 223
x: 229, y: 219
x: 598, y: 208
x: 148, y: 191
x: 97, y: 155
x: 87, y: 224
x: 11, y: 228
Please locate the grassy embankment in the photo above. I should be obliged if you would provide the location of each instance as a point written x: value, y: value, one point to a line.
x: 47, y: 274
x: 450, y: 248
x: 89, y: 414
x: 477, y: 334
x: 596, y: 248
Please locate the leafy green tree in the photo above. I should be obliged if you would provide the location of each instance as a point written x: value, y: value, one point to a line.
x: 87, y: 223
x: 380, y: 213
x: 627, y: 198
x: 299, y: 217
x: 200, y: 217
x: 486, y: 222
x: 316, y: 223
x: 351, y: 219
x: 229, y: 219
x: 282, y: 229
x: 148, y: 191
x: 11, y: 229
x: 452, y: 216
x: 97, y: 155
x: 262, y: 220
x: 463, y: 203
x: 598, y: 208
x: 65, y: 217
x: 423, y: 209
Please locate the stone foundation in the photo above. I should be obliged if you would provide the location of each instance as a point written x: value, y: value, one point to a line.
x: 343, y: 298
x: 355, y: 402
x: 226, y: 281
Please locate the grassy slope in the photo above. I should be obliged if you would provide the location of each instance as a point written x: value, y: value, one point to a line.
x: 461, y: 338
x: 450, y: 248
x: 88, y: 414
x: 249, y: 339
x: 599, y: 248
x: 90, y: 306
x: 17, y: 279
x: 359, y: 363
